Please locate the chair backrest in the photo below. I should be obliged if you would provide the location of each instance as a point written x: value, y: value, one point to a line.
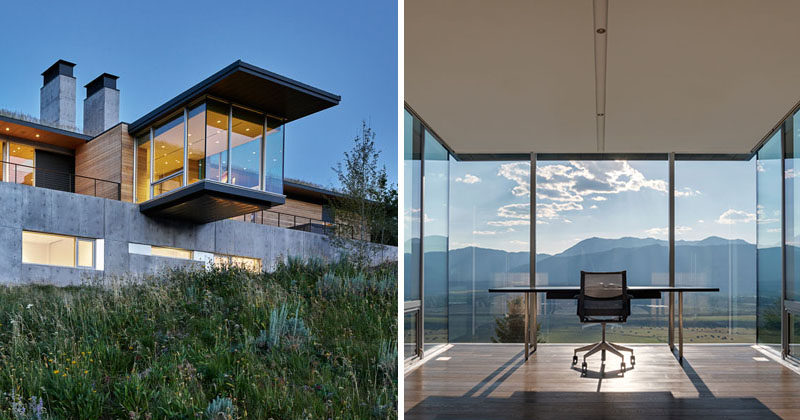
x: 603, y: 294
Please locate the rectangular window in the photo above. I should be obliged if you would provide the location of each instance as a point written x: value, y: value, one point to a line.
x: 22, y: 162
x: 196, y: 140
x: 168, y: 149
x: 252, y: 264
x: 217, y: 141
x: 273, y: 158
x: 769, y: 237
x: 162, y: 251
x: 434, y: 244
x: 246, y: 135
x: 60, y: 250
x: 143, y: 167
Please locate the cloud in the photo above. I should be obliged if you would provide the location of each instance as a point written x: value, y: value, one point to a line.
x: 686, y: 192
x: 563, y: 187
x: 663, y: 232
x: 484, y: 232
x: 593, y: 206
x: 731, y: 216
x: 701, y: 221
x: 468, y: 179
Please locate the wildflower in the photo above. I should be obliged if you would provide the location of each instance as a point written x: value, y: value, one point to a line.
x: 85, y: 372
x: 130, y: 347
x: 73, y: 362
x: 30, y: 305
x: 65, y: 374
x: 55, y: 372
x: 91, y: 360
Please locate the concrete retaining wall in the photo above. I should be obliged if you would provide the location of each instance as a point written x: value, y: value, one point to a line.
x: 119, y: 223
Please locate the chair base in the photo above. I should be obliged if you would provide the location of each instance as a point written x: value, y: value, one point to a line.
x: 602, y: 347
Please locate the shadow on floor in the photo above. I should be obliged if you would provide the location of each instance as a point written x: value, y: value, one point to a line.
x: 588, y: 405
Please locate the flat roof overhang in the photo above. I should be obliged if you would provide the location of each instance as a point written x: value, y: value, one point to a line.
x: 208, y: 201
x: 253, y: 87
x: 692, y: 77
x: 28, y: 130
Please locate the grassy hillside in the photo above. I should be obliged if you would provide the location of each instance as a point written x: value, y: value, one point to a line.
x: 307, y: 341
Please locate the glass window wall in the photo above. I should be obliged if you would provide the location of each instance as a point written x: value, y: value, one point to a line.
x: 412, y: 181
x: 273, y: 158
x: 435, y: 218
x: 768, y: 240
x: 196, y: 143
x: 489, y: 247
x: 168, y: 149
x: 715, y: 237
x: 217, y: 141
x: 143, y: 167
x: 23, y: 160
x: 246, y: 136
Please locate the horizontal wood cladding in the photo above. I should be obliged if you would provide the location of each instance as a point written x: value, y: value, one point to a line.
x: 300, y: 209
x: 100, y: 158
x: 126, y: 180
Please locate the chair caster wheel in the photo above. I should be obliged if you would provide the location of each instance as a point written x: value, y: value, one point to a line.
x: 622, y: 366
x: 574, y: 360
x: 584, y: 369
x: 633, y: 360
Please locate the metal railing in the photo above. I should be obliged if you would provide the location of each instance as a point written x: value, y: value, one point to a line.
x: 288, y: 221
x: 58, y: 180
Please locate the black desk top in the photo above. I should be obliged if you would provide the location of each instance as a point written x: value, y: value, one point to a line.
x: 577, y: 289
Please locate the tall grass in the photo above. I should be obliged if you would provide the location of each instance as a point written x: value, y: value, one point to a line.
x: 217, y: 344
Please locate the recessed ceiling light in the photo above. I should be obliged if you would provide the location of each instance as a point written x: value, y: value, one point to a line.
x: 246, y: 129
x: 37, y: 136
x: 190, y: 134
x: 218, y: 121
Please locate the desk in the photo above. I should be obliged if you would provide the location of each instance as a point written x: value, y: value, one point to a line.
x: 570, y: 292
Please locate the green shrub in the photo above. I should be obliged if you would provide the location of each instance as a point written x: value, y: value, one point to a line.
x: 181, y: 343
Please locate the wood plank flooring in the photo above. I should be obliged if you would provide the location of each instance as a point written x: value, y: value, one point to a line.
x: 484, y: 381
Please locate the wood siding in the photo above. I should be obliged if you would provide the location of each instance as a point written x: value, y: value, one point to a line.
x: 108, y: 157
x: 300, y: 209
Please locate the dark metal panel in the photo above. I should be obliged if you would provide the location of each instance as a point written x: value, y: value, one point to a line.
x: 207, y: 201
x: 253, y: 87
x: 54, y: 171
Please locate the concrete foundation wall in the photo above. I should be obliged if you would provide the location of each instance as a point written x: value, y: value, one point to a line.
x: 119, y: 223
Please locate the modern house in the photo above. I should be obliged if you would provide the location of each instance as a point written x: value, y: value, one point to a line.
x: 546, y: 138
x: 197, y: 181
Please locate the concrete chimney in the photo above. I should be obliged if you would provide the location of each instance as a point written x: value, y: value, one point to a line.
x: 57, y: 96
x: 101, y: 106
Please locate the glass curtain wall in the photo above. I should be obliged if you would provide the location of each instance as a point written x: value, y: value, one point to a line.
x: 489, y: 247
x: 768, y: 241
x: 715, y: 237
x: 791, y: 178
x: 211, y: 140
x: 273, y: 156
x: 602, y: 216
x: 435, y: 179
x: 412, y: 182
x: 217, y: 141
x: 23, y: 159
x: 246, y: 135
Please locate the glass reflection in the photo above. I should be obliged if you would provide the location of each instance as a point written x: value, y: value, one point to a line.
x: 273, y: 159
x: 217, y: 141
x: 168, y: 148
x: 411, y: 210
x: 434, y: 244
x: 246, y: 134
x: 196, y: 140
x: 23, y: 158
x: 768, y: 241
x: 143, y: 168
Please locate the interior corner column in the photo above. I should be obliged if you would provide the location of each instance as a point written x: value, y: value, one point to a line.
x: 532, y: 307
x: 671, y: 250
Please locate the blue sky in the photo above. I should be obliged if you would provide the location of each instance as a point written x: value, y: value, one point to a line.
x: 609, y: 199
x: 158, y: 49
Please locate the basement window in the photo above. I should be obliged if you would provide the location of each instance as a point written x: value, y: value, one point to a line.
x: 252, y: 264
x: 58, y: 250
x: 161, y: 251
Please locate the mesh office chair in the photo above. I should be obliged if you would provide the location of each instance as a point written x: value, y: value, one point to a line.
x: 604, y: 298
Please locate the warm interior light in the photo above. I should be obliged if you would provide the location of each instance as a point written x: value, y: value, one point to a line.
x: 37, y: 136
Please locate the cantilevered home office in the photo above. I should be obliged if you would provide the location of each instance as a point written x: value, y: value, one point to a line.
x: 588, y: 180
x: 198, y: 181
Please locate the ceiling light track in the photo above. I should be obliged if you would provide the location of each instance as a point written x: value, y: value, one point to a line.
x: 600, y: 55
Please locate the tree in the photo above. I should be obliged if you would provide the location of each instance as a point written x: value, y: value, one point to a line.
x: 511, y: 327
x: 365, y: 206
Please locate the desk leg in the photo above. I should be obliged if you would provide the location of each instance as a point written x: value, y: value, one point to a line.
x: 533, y: 328
x: 671, y: 322
x: 527, y: 330
x: 680, y: 326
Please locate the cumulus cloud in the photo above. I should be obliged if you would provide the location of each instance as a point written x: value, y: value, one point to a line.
x: 468, y: 179
x: 686, y: 192
x: 593, y: 206
x: 664, y: 231
x: 563, y: 187
x: 484, y: 232
x: 731, y: 216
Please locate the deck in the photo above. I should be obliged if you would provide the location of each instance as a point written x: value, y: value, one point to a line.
x: 483, y: 381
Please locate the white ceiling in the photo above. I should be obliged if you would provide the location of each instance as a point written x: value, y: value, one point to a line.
x: 686, y: 76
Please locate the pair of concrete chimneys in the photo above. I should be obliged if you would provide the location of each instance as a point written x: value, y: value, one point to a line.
x: 57, y: 100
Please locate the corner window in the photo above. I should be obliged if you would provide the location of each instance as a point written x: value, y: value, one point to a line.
x: 58, y: 250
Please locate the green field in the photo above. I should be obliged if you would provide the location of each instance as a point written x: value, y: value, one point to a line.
x: 307, y: 341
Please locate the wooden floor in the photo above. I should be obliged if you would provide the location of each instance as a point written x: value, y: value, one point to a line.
x: 484, y: 381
